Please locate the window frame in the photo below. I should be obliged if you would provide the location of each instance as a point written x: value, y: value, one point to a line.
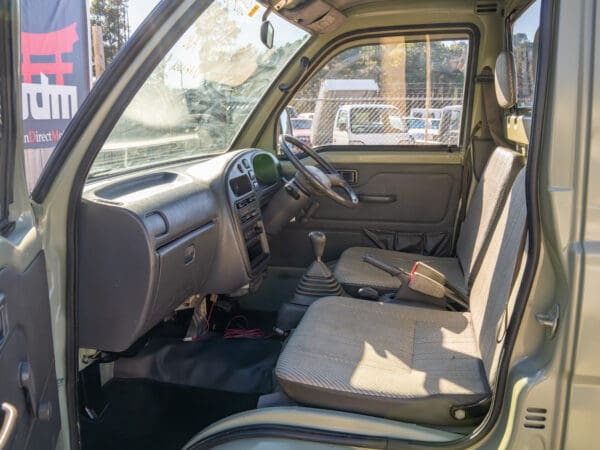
x: 353, y: 39
x: 9, y: 93
x: 510, y: 21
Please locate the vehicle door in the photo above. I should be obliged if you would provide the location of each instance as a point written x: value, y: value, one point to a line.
x: 30, y: 416
x: 409, y: 187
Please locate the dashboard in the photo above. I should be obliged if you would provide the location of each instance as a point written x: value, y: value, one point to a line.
x: 149, y: 240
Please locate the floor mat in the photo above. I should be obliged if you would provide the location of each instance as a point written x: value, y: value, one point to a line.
x: 234, y: 365
x: 148, y: 415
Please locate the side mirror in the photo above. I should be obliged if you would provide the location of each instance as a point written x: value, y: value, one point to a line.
x: 267, y: 33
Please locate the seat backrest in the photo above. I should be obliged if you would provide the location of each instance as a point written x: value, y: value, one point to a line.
x: 486, y: 204
x: 497, y: 281
x: 496, y: 180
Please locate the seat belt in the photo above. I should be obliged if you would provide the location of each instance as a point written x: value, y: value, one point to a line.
x: 467, y: 175
x: 491, y: 126
x: 492, y: 123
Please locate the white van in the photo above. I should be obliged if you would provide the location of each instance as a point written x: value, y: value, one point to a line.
x: 370, y: 124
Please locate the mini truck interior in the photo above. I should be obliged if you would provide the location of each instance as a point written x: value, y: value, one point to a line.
x: 225, y: 266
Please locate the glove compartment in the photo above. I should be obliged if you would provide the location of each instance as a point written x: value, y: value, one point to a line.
x: 145, y: 244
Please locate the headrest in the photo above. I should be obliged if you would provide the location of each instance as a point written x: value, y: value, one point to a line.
x: 505, y: 78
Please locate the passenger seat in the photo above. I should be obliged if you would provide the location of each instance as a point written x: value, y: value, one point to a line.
x: 487, y: 200
x: 409, y: 363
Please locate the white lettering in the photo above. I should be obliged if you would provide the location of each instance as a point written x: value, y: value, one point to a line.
x: 43, y: 101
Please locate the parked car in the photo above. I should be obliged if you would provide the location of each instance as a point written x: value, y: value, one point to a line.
x: 370, y: 124
x: 423, y: 131
x: 301, y: 128
x: 449, y: 125
x: 309, y: 116
x: 432, y: 113
x: 334, y: 93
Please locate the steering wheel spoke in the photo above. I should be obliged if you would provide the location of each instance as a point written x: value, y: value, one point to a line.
x: 323, y: 180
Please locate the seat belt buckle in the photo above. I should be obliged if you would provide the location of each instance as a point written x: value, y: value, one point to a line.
x: 430, y: 281
x: 425, y: 285
x: 428, y: 271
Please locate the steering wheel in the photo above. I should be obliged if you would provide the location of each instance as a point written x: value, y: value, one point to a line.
x: 323, y: 179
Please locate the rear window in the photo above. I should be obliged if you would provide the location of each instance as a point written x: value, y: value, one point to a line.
x: 403, y: 90
x: 524, y: 47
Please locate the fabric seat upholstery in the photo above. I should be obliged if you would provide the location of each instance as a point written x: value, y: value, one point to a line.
x: 487, y: 200
x: 352, y: 272
x: 489, y: 196
x: 403, y: 362
x: 382, y: 359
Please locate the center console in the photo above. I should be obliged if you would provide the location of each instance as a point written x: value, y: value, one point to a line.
x: 245, y: 201
x: 257, y: 248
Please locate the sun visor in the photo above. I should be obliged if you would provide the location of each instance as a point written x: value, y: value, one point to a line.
x: 316, y: 16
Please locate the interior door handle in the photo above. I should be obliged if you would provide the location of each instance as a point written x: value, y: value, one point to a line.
x: 10, y: 420
x: 368, y: 198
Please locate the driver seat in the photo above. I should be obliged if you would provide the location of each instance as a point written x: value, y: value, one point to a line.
x: 488, y: 198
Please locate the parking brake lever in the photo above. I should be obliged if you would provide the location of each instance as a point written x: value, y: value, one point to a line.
x: 392, y: 270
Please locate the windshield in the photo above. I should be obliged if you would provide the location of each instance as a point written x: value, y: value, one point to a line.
x: 202, y: 92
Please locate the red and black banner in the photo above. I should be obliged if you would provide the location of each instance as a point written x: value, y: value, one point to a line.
x: 55, y: 67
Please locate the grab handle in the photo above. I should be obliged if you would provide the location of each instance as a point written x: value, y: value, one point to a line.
x: 10, y: 420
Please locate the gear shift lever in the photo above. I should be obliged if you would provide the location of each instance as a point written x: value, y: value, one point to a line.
x: 318, y: 240
x: 318, y: 281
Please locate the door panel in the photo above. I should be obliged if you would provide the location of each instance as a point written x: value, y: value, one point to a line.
x: 29, y: 412
x: 409, y: 203
x: 27, y: 357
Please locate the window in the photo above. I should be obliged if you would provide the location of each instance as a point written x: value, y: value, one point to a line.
x: 524, y: 47
x: 406, y: 90
x: 200, y: 95
x: 65, y: 47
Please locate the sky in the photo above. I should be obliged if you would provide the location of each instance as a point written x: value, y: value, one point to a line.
x: 528, y: 22
x: 138, y: 10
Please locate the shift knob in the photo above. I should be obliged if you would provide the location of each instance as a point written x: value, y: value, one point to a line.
x: 318, y: 239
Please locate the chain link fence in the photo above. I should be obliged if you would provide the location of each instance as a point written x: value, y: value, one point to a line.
x: 377, y: 120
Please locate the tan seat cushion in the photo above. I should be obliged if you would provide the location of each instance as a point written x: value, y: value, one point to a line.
x: 387, y: 360
x: 353, y: 273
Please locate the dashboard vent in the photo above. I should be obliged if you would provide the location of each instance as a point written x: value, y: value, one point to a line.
x: 535, y: 418
x: 486, y: 7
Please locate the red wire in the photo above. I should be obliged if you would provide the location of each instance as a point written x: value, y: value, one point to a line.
x: 253, y: 333
x: 233, y: 333
x: 210, y: 313
x: 244, y: 333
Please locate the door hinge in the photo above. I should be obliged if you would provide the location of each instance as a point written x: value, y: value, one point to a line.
x: 550, y: 320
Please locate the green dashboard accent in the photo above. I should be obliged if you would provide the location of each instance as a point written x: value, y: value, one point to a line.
x: 265, y: 169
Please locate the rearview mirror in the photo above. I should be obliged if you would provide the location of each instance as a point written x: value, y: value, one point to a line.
x: 267, y: 33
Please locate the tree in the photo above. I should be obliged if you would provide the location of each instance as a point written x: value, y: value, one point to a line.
x: 112, y: 16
